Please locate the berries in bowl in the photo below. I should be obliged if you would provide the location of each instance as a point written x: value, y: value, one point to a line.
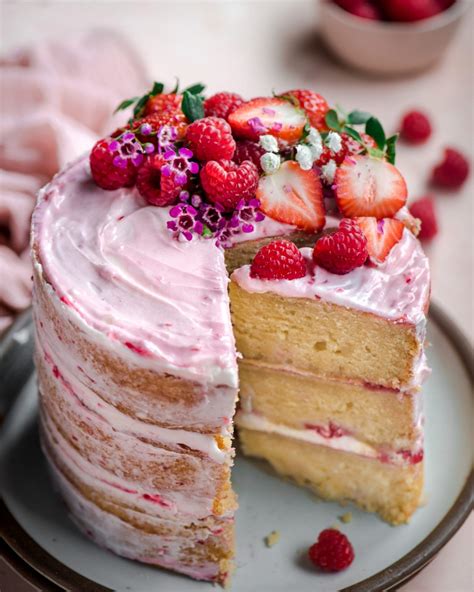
x: 390, y: 37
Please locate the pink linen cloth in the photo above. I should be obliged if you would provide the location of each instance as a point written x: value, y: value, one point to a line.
x: 56, y: 99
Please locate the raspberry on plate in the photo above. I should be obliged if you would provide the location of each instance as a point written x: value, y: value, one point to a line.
x: 156, y: 188
x: 343, y: 250
x: 222, y: 104
x: 332, y: 551
x: 279, y: 260
x: 314, y: 104
x: 248, y: 150
x: 415, y: 127
x: 226, y: 182
x: 453, y: 171
x: 211, y: 138
x: 105, y: 173
x: 424, y: 210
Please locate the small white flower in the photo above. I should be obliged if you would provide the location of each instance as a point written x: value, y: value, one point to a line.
x: 304, y: 157
x: 270, y: 162
x: 314, y: 137
x: 334, y: 142
x: 329, y: 170
x: 316, y: 151
x: 268, y: 143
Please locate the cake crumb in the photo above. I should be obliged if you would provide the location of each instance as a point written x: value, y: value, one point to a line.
x: 272, y: 538
x: 346, y: 518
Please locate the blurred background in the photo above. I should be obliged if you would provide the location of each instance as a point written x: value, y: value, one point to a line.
x: 66, y: 65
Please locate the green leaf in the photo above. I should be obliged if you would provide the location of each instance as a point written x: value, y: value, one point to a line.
x: 137, y: 111
x: 374, y: 128
x: 305, y: 133
x: 357, y: 117
x: 124, y: 104
x: 332, y: 120
x: 195, y: 89
x: 158, y: 88
x: 350, y: 131
x: 206, y: 231
x: 376, y: 153
x: 192, y: 106
x: 176, y: 87
x: 391, y: 149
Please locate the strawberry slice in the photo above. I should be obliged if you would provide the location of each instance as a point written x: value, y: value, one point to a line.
x: 382, y: 235
x: 293, y: 196
x: 366, y: 186
x: 274, y: 116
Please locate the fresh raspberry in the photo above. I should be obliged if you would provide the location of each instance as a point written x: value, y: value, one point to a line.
x: 105, y: 173
x: 424, y: 210
x: 343, y: 250
x: 157, y: 189
x: 226, y: 182
x: 411, y: 10
x: 327, y: 155
x: 452, y: 171
x: 332, y: 551
x: 314, y: 104
x: 211, y: 138
x: 279, y: 260
x: 163, y: 103
x: 248, y: 150
x: 222, y: 104
x: 415, y: 127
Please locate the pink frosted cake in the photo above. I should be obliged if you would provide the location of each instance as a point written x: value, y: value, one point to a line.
x: 137, y: 332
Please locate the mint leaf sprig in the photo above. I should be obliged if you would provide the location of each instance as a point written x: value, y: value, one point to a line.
x: 192, y: 103
x: 344, y: 123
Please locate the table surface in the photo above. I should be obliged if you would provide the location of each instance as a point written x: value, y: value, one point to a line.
x: 253, y: 47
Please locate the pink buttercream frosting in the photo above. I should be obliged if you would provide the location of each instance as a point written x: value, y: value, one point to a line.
x: 110, y: 257
x: 397, y: 290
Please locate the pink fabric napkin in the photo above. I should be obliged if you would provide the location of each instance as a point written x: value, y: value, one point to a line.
x: 57, y: 98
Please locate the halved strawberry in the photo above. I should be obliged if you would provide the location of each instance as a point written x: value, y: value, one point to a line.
x: 367, y: 186
x: 274, y: 116
x: 382, y: 235
x: 293, y: 196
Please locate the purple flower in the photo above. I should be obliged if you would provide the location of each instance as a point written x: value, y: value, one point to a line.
x: 165, y: 137
x: 128, y: 147
x: 185, y: 222
x: 179, y: 165
x: 257, y: 125
x: 245, y: 214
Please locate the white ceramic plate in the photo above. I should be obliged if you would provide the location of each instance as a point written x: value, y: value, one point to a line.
x: 385, y: 555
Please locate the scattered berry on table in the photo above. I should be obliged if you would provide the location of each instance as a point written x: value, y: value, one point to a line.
x: 452, y: 171
x: 424, y: 210
x: 332, y: 551
x: 415, y: 127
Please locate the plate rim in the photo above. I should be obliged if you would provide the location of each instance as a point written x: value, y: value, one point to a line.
x: 37, y: 559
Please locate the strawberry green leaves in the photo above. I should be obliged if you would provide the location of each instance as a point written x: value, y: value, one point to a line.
x: 193, y: 102
x: 338, y: 121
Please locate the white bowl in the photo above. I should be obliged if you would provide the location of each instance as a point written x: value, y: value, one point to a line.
x: 389, y: 48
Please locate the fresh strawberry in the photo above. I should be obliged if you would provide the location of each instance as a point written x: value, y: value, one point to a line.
x: 452, y: 171
x: 274, y: 116
x: 210, y: 138
x: 163, y: 103
x: 226, y: 182
x: 222, y: 104
x: 174, y: 119
x: 293, y: 196
x: 248, y: 150
x: 354, y: 147
x: 279, y: 260
x: 367, y: 186
x: 343, y: 250
x: 382, y: 235
x: 313, y: 104
x: 332, y: 551
x: 424, y: 210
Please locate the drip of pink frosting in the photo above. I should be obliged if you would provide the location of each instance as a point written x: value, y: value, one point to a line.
x: 397, y: 290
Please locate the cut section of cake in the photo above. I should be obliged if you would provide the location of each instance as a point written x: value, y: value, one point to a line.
x: 329, y: 380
